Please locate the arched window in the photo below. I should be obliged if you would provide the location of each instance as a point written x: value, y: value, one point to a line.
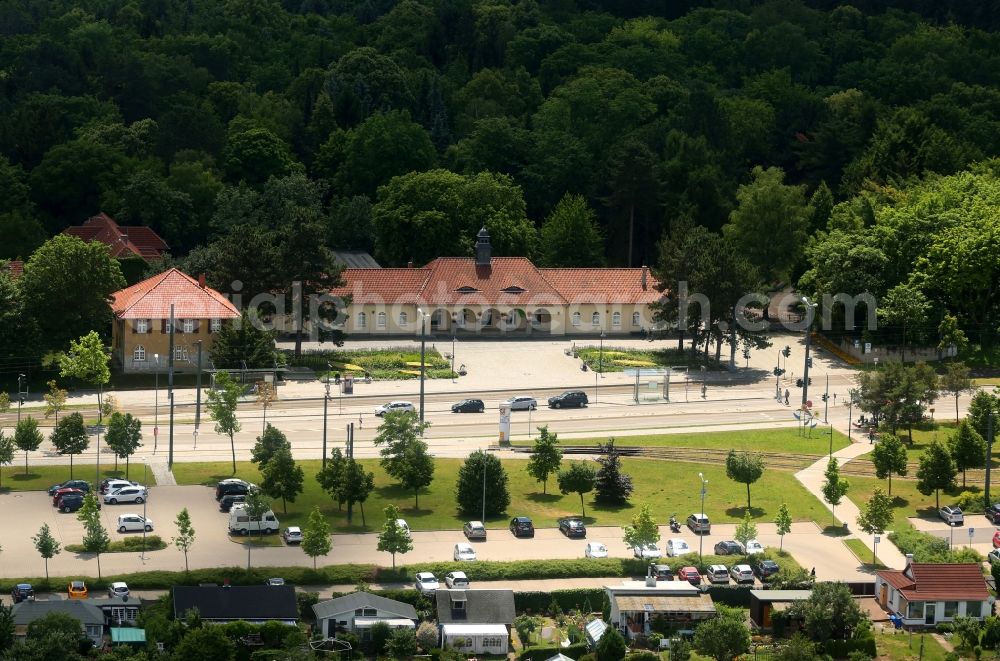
x: 616, y: 320
x: 402, y: 319
x: 635, y: 319
x: 139, y: 354
x: 380, y: 320
x: 576, y: 318
x: 362, y: 321
x: 595, y: 319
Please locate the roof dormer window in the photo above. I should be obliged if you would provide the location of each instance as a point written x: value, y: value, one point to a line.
x: 466, y: 290
x: 514, y: 289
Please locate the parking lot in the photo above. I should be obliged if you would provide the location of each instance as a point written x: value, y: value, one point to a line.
x: 22, y: 514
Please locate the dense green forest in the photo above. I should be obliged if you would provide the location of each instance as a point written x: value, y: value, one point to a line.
x: 801, y: 131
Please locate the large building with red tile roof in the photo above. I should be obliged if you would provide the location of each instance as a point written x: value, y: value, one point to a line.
x: 141, y: 329
x: 123, y: 242
x: 15, y: 268
x: 497, y: 295
x: 923, y: 593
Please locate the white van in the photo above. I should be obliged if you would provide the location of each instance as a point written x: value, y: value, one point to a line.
x: 401, y: 523
x: 718, y: 574
x: 241, y: 523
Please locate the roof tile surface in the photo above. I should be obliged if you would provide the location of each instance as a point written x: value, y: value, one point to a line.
x: 151, y: 299
x: 923, y: 581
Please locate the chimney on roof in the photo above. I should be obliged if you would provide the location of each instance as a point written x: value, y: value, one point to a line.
x: 645, y: 269
x: 483, y: 249
x: 201, y: 280
x: 225, y: 583
x: 909, y: 560
x: 409, y: 264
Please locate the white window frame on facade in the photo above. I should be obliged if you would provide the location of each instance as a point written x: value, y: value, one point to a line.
x: 380, y: 321
x: 595, y: 319
x: 216, y: 325
x: 180, y: 353
x: 636, y: 317
x: 512, y: 318
x: 361, y: 321
x: 460, y: 319
x: 616, y: 319
x: 168, y: 326
x: 576, y: 319
x: 139, y: 353
x: 404, y: 320
x: 142, y: 326
x: 188, y: 325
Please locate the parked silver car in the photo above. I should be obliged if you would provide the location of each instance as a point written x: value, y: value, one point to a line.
x: 522, y: 403
x: 133, y: 494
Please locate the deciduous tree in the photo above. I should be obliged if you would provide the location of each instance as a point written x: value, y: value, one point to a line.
x: 27, y: 438
x: 394, y: 538
x: 124, y: 437
x: 469, y: 492
x: 724, y: 637
x: 967, y: 448
x: 579, y: 478
x: 831, y: 612
x: 746, y: 530
x: 877, y: 516
x: 956, y: 381
x: 268, y: 444
x: 47, y: 546
x: 95, y: 537
x: 937, y: 471
x: 70, y: 437
x: 282, y: 478
x: 243, y: 341
x: 611, y: 646
x: 834, y: 486
x: 983, y: 405
x: 222, y: 402
x: 744, y: 467
x: 185, y: 535
x: 55, y: 399
x: 889, y: 456
x: 545, y: 457
x: 316, y: 539
x: 570, y: 236
x: 783, y: 522
x: 7, y: 449
x: 643, y: 529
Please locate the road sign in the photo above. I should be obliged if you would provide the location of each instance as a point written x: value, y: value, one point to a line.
x: 809, y: 404
x: 972, y: 531
x: 878, y: 539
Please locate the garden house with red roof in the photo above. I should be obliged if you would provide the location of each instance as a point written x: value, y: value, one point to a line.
x: 497, y: 296
x: 142, y: 324
x: 923, y: 593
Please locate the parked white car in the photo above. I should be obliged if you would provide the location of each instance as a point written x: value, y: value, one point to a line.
x: 402, y: 525
x: 292, y: 535
x: 754, y: 547
x: 131, y: 494
x: 464, y: 552
x: 426, y: 582
x: 118, y: 589
x: 456, y: 579
x: 742, y: 573
x: 595, y: 550
x: 646, y: 551
x: 134, y: 523
x: 394, y: 406
x: 677, y: 546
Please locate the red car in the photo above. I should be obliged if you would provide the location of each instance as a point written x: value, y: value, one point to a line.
x: 689, y: 574
x: 62, y: 492
x: 996, y: 539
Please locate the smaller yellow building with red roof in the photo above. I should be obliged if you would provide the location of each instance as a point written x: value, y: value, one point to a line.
x: 142, y: 324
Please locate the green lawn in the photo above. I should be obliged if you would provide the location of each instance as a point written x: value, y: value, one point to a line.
x: 863, y: 553
x: 618, y: 359
x: 903, y: 645
x: 763, y: 440
x: 922, y: 438
x: 670, y: 487
x: 907, y: 501
x: 389, y: 363
x: 13, y: 477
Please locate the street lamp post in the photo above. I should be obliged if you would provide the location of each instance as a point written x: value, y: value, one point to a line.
x: 701, y: 535
x: 989, y: 458
x: 453, y: 351
x: 423, y: 338
x: 197, y: 398
x: 810, y: 308
x: 326, y: 398
x: 156, y: 400
x: 142, y: 554
x: 600, y: 361
x: 484, y: 487
x: 22, y: 392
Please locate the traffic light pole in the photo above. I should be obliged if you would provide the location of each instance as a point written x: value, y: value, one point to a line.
x: 826, y: 399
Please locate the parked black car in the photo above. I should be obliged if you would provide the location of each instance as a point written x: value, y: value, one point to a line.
x: 521, y: 526
x: 570, y: 398
x: 993, y: 513
x: 765, y: 568
x: 468, y: 406
x: 72, y: 502
x: 729, y: 547
x: 22, y: 592
x: 231, y: 486
x: 82, y: 485
x: 227, y: 502
x: 572, y: 528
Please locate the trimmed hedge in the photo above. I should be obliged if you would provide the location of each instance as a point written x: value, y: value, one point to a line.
x: 731, y: 595
x: 127, y: 545
x: 568, y: 600
x: 542, y: 653
x: 841, y: 649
